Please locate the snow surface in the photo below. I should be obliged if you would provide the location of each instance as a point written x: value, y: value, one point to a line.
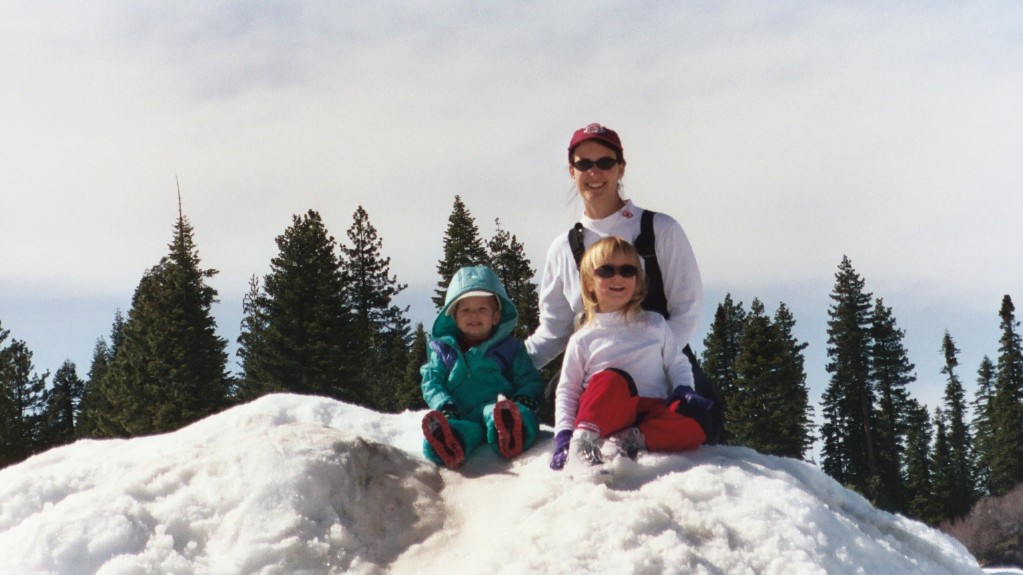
x: 295, y: 484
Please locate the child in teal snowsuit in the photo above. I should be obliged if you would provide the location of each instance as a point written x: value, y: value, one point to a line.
x: 478, y: 379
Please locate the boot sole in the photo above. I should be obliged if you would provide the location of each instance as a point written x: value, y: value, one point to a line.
x: 508, y: 423
x: 442, y: 439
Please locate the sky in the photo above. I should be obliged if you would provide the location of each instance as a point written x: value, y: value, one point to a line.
x: 783, y: 136
x: 303, y: 485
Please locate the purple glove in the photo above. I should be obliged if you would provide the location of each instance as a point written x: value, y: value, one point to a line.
x: 561, y: 441
x: 688, y: 396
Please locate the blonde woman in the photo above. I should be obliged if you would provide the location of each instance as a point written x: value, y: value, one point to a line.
x: 624, y: 376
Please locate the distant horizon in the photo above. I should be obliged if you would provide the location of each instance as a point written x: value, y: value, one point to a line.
x: 228, y: 312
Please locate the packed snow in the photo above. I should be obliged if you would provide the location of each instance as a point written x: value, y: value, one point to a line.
x: 294, y: 484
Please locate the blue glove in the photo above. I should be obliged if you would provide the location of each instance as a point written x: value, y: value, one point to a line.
x: 450, y: 411
x: 688, y: 396
x: 561, y: 441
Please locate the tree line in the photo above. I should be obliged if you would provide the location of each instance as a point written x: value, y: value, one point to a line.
x: 874, y: 437
x: 323, y: 321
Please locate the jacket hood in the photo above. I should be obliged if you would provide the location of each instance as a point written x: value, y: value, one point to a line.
x: 477, y: 278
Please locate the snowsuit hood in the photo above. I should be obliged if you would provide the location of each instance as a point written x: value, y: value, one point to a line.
x: 471, y: 279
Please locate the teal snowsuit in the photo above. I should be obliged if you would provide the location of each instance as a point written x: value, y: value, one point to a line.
x: 472, y: 380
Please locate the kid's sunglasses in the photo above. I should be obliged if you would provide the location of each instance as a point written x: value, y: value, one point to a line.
x: 605, y: 163
x: 608, y: 271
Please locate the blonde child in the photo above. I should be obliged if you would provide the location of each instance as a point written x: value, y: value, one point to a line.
x: 624, y: 376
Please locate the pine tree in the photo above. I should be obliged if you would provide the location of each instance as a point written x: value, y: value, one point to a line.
x: 297, y: 332
x: 960, y: 444
x: 116, y: 334
x: 508, y: 259
x: 94, y: 414
x: 721, y: 349
x: 983, y: 424
x: 891, y: 372
x: 1007, y: 413
x: 380, y: 336
x: 410, y: 394
x: 919, y: 492
x: 848, y: 402
x: 751, y: 407
x: 21, y: 402
x: 462, y: 247
x: 253, y: 328
x: 62, y: 402
x: 798, y: 420
x: 169, y: 370
x: 770, y: 413
x: 942, y: 468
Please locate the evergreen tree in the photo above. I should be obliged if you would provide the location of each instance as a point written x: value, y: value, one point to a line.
x: 393, y: 376
x: 919, y: 492
x: 380, y: 336
x: 1007, y: 413
x: 943, y: 475
x: 94, y: 413
x: 848, y: 402
x: 169, y: 370
x: 750, y: 409
x: 983, y: 424
x: 410, y: 394
x: 769, y: 412
x: 799, y: 420
x: 21, y: 402
x: 462, y: 247
x: 509, y: 261
x: 297, y: 331
x: 253, y: 328
x: 116, y: 334
x: 891, y: 373
x: 62, y: 402
x: 960, y: 444
x: 721, y: 349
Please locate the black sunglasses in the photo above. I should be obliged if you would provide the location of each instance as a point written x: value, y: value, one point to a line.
x: 608, y: 271
x: 605, y: 163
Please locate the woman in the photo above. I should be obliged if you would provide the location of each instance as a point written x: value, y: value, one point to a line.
x: 597, y: 165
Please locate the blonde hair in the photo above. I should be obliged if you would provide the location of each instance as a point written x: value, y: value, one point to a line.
x: 600, y: 253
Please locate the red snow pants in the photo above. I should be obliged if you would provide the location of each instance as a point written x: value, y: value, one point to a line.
x: 611, y: 403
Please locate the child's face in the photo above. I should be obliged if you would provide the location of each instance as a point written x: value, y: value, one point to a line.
x: 475, y: 316
x: 614, y: 293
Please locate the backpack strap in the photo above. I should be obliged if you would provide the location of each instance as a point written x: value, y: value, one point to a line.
x: 575, y: 241
x: 655, y: 300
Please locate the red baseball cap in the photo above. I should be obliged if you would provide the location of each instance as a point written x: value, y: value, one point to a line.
x: 595, y: 131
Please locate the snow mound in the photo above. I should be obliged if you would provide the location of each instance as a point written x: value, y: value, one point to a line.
x: 292, y: 484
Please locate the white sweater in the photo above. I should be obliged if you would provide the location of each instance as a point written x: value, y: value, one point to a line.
x: 560, y: 299
x: 643, y: 345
